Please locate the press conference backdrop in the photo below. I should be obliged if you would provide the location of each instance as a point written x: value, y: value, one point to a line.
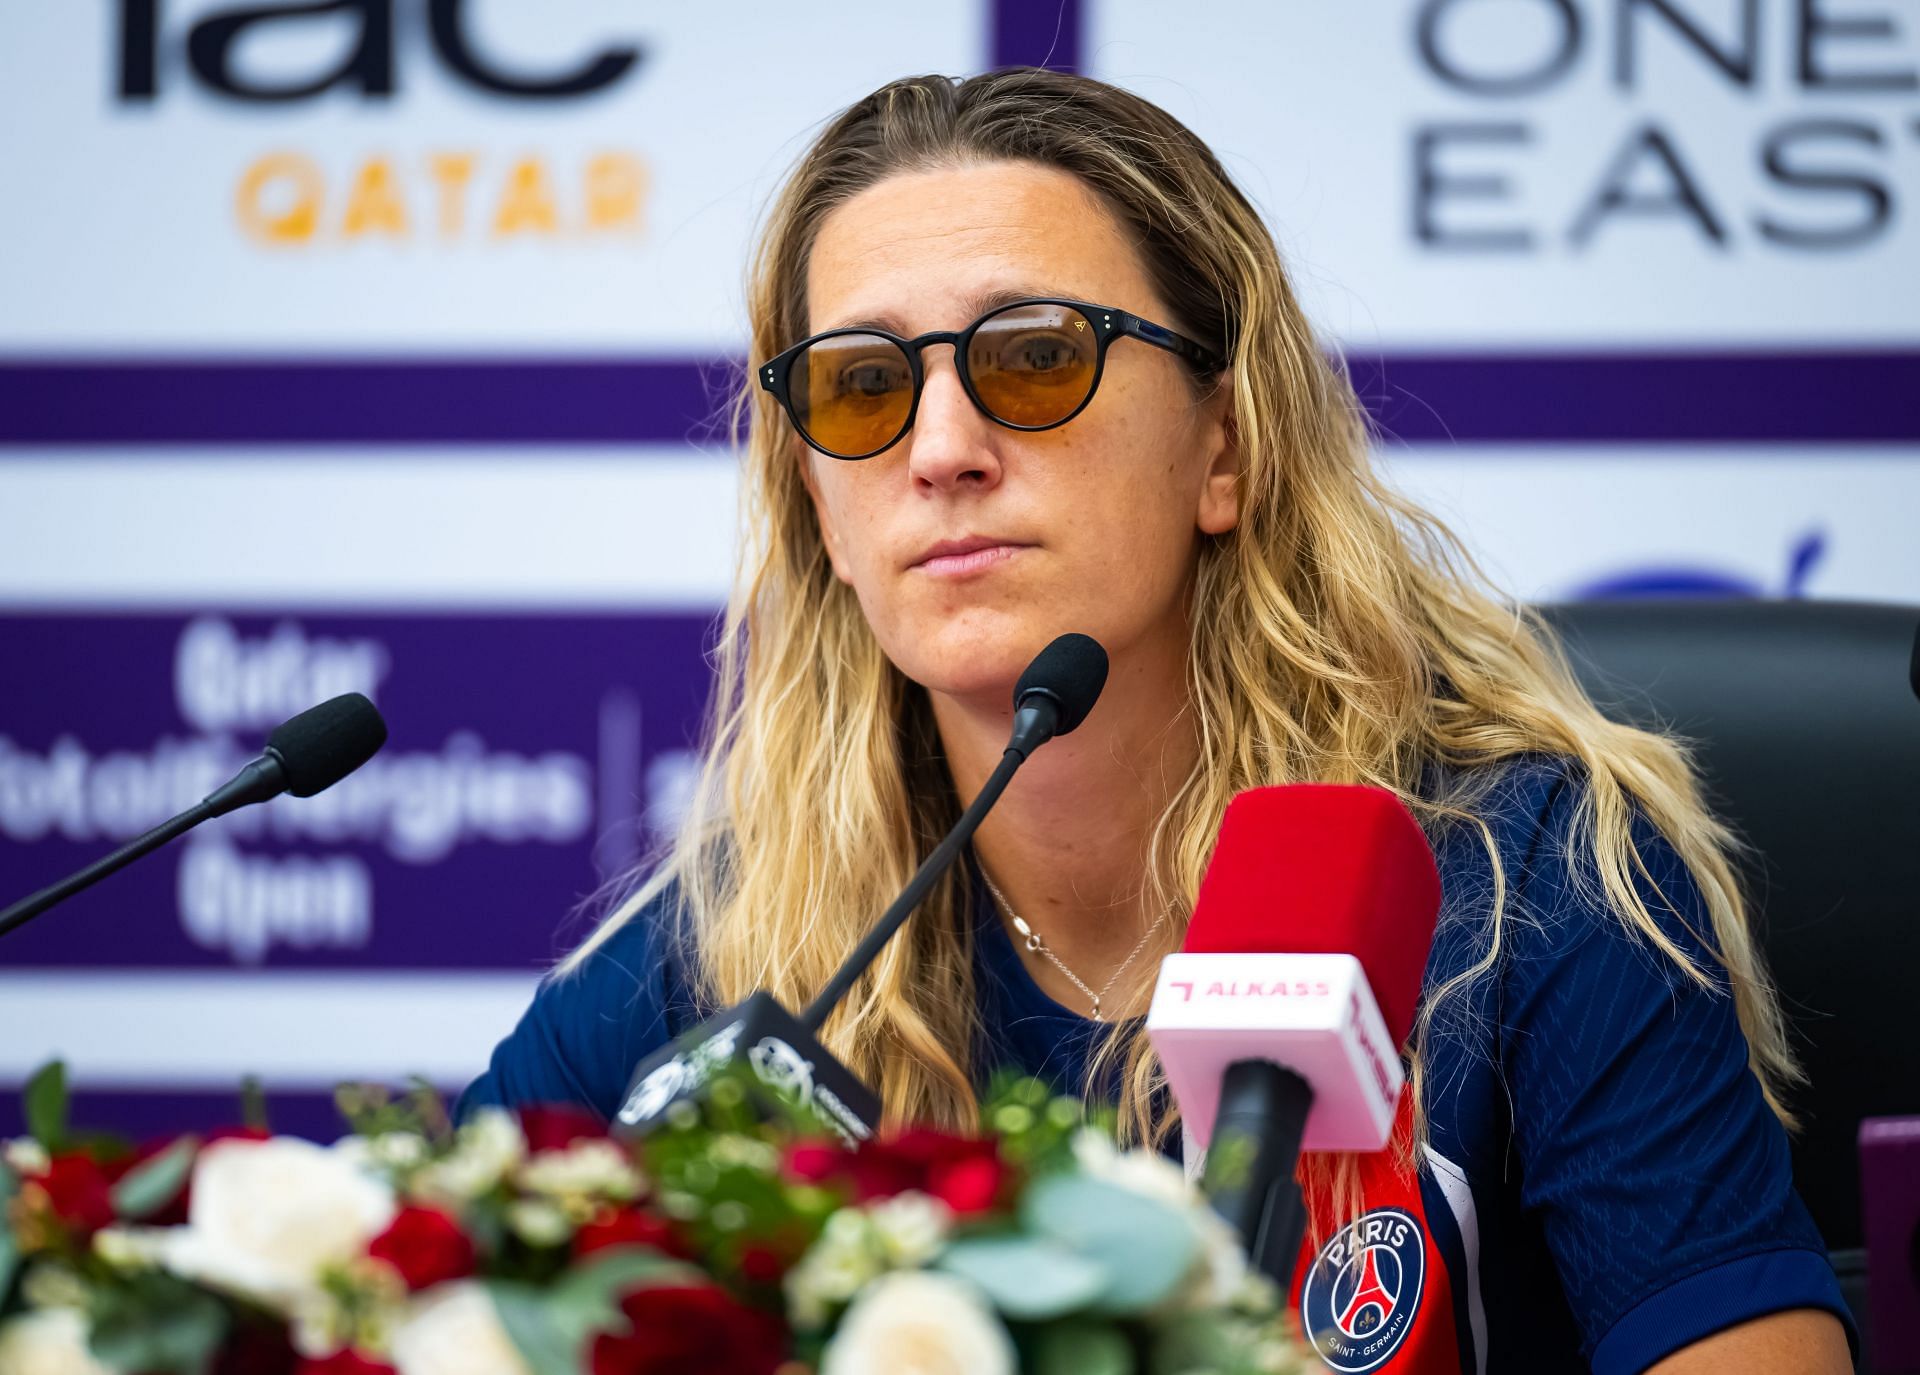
x: 376, y: 345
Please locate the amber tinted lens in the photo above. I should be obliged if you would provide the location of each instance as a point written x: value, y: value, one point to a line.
x: 1033, y: 364
x: 852, y: 393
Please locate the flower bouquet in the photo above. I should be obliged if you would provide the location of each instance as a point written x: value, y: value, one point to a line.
x: 533, y: 1244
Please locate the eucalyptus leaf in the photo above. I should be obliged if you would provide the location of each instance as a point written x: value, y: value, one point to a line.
x: 1203, y: 1342
x: 1028, y: 1278
x: 1080, y: 1348
x: 1096, y: 1218
x: 151, y: 1185
x: 552, y: 1326
x: 9, y: 1250
x: 253, y: 1104
x: 534, y: 1328
x: 100, y: 1146
x: 160, y: 1326
x: 618, y: 1270
x: 45, y: 1103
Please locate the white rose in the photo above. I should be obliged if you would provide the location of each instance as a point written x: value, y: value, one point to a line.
x: 846, y: 1255
x: 912, y: 1227
x: 25, y: 1156
x: 131, y: 1248
x: 587, y: 1168
x: 50, y: 1342
x: 50, y: 1285
x: 1220, y: 1273
x: 488, y: 1147
x: 455, y: 1331
x: 268, y: 1216
x: 915, y: 1322
x: 1137, y: 1171
x: 538, y: 1223
x: 395, y: 1152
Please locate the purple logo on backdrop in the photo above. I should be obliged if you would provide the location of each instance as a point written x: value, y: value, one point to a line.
x: 530, y: 757
x: 1700, y: 580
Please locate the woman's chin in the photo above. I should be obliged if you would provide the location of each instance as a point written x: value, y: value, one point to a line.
x: 972, y: 668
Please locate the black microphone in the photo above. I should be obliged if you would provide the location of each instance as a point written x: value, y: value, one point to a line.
x: 305, y: 755
x: 1913, y: 665
x: 782, y: 1052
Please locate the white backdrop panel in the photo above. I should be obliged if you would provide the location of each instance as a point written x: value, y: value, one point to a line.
x: 1536, y: 116
x: 417, y: 220
x: 1551, y: 523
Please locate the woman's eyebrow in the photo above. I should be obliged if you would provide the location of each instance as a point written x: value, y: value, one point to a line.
x: 976, y: 305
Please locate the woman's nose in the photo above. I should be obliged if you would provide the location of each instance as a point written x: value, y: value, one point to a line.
x: 951, y: 444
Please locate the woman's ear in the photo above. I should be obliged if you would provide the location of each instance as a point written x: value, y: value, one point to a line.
x: 1219, y: 505
x: 829, y: 536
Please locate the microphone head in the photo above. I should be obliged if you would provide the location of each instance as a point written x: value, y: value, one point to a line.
x: 1323, y: 868
x: 325, y: 743
x: 1071, y: 671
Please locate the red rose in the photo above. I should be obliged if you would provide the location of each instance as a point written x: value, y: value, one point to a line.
x: 80, y: 1193
x: 815, y: 1162
x: 630, y: 1227
x: 964, y: 1172
x: 556, y: 1128
x: 344, y: 1363
x: 425, y: 1246
x: 256, y: 1345
x: 763, y: 1265
x: 969, y: 1186
x: 916, y: 1159
x: 690, y: 1330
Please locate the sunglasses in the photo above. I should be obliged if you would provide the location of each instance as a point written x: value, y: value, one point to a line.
x: 1029, y: 365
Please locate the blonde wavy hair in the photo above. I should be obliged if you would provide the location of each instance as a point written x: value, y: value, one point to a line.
x: 1338, y: 635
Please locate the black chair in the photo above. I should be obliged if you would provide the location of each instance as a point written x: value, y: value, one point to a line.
x: 1809, y: 737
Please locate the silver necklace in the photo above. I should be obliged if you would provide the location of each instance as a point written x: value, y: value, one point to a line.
x: 1039, y: 947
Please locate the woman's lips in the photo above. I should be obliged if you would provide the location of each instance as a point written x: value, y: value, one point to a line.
x: 958, y: 559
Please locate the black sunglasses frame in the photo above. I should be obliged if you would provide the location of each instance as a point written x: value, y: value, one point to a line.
x: 1109, y: 323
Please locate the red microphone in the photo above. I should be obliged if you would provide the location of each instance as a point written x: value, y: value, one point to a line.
x: 1280, y: 1021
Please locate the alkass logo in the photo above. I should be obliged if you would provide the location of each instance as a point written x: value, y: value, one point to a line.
x: 1251, y: 988
x: 1359, y: 1300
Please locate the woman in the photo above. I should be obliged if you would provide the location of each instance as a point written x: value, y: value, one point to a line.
x: 1120, y: 424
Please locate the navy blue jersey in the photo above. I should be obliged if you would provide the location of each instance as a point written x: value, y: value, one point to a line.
x: 1603, y: 1182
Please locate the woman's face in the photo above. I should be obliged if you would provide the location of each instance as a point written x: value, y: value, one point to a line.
x: 1093, y: 526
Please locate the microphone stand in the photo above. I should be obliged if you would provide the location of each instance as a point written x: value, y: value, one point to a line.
x: 783, y: 1053
x: 1250, y: 1161
x: 928, y: 874
x: 262, y: 778
x: 34, y: 904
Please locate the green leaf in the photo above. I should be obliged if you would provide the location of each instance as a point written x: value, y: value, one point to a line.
x: 534, y: 1329
x: 101, y: 1147
x: 253, y: 1104
x: 151, y: 1185
x: 1096, y: 1218
x: 45, y: 1100
x: 1225, y: 1343
x: 1027, y: 1278
x: 161, y: 1325
x: 551, y: 1326
x: 9, y: 1250
x: 592, y: 1293
x: 1080, y: 1348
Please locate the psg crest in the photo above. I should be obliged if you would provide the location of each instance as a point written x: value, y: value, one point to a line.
x: 1358, y: 1302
